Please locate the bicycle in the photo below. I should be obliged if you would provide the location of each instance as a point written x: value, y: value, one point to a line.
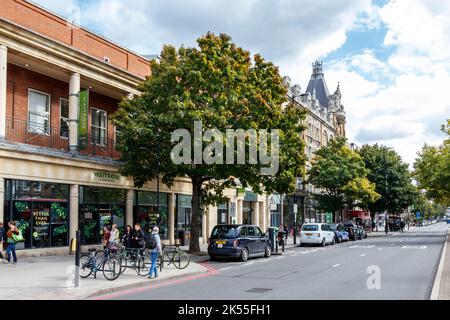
x: 96, y: 261
x: 134, y: 259
x: 175, y: 256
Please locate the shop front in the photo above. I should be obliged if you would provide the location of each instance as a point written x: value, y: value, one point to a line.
x: 41, y: 212
x: 100, y: 207
x: 223, y: 213
x: 147, y: 215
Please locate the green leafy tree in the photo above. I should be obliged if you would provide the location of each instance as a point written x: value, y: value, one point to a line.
x: 391, y: 177
x: 432, y: 170
x: 341, y: 175
x: 219, y: 84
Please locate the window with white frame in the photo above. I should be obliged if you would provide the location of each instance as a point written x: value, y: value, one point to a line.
x: 38, y: 112
x: 64, y: 117
x: 99, y: 122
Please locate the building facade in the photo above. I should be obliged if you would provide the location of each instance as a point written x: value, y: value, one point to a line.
x: 325, y: 120
x: 59, y: 85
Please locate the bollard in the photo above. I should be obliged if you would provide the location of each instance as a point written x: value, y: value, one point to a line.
x: 77, y: 260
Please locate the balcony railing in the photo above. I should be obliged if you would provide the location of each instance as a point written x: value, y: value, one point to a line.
x: 43, y: 135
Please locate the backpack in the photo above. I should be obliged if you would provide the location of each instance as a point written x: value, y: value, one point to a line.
x: 150, y: 242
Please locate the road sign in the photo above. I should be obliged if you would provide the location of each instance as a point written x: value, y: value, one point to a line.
x: 418, y: 215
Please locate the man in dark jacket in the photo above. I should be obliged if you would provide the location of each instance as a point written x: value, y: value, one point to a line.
x: 2, y: 239
x: 138, y: 239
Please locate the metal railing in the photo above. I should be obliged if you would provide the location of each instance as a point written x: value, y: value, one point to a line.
x: 43, y: 135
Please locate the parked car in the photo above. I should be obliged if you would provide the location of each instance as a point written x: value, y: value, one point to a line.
x: 353, y: 231
x: 363, y: 231
x: 339, y: 232
x: 317, y: 233
x: 238, y: 241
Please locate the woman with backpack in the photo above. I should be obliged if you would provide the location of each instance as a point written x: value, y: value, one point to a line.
x: 154, y: 246
x: 11, y: 241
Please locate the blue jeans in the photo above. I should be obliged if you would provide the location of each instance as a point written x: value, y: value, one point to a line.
x: 154, y: 259
x: 11, y: 248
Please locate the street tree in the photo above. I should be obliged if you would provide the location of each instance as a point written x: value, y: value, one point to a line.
x: 432, y: 169
x: 391, y: 177
x: 219, y: 86
x: 341, y: 175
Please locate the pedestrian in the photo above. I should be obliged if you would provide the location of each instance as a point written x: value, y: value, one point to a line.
x: 138, y: 238
x: 106, y: 236
x: 286, y: 232
x: 126, y: 238
x: 154, y: 252
x: 402, y: 226
x: 2, y: 239
x: 114, y: 238
x: 280, y: 234
x: 11, y: 242
x: 386, y: 227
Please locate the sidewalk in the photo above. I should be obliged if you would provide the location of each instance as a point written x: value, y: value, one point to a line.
x: 444, y: 285
x: 51, y: 278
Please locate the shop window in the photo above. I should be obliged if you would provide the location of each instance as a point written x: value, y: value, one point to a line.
x: 41, y: 212
x: 99, y: 122
x: 223, y: 214
x: 38, y: 112
x: 147, y: 213
x: 64, y: 118
x: 100, y: 207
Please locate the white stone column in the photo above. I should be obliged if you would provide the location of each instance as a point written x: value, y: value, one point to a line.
x: 239, y: 211
x: 3, y: 86
x: 129, y: 208
x: 74, y: 91
x: 262, y: 215
x: 74, y: 214
x: 255, y: 217
x: 2, y: 197
x: 172, y: 218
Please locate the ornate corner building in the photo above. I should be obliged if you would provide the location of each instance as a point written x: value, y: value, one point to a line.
x: 325, y: 120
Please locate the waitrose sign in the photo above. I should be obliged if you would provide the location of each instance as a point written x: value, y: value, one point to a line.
x: 107, y: 176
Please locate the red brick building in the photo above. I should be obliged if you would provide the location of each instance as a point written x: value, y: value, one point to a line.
x: 50, y: 182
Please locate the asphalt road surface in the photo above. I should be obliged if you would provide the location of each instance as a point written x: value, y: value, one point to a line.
x: 401, y: 266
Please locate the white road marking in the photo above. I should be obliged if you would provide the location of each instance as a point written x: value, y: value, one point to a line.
x: 336, y: 265
x: 248, y: 264
x: 362, y: 247
x: 226, y: 268
x: 363, y: 255
x: 415, y: 247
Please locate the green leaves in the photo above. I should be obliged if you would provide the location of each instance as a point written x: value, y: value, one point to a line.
x: 391, y: 177
x: 341, y: 174
x: 432, y: 169
x: 219, y: 84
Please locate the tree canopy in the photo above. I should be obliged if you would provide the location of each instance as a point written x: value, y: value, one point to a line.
x: 219, y: 84
x: 432, y: 169
x: 341, y: 175
x: 391, y: 177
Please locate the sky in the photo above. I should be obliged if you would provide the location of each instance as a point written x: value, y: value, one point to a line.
x: 391, y: 57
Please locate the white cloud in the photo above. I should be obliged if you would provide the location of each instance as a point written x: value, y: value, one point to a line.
x: 397, y: 101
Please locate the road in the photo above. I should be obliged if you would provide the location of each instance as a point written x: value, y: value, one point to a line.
x: 401, y: 266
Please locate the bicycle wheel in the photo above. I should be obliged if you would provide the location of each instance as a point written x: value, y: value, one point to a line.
x: 111, y: 268
x: 123, y: 263
x: 142, y: 267
x: 181, y: 260
x: 85, y: 266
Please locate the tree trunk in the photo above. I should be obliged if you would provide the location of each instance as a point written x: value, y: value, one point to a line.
x: 197, y: 215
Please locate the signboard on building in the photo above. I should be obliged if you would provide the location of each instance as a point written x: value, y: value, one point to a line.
x: 251, y: 196
x: 83, y: 122
x: 106, y: 176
